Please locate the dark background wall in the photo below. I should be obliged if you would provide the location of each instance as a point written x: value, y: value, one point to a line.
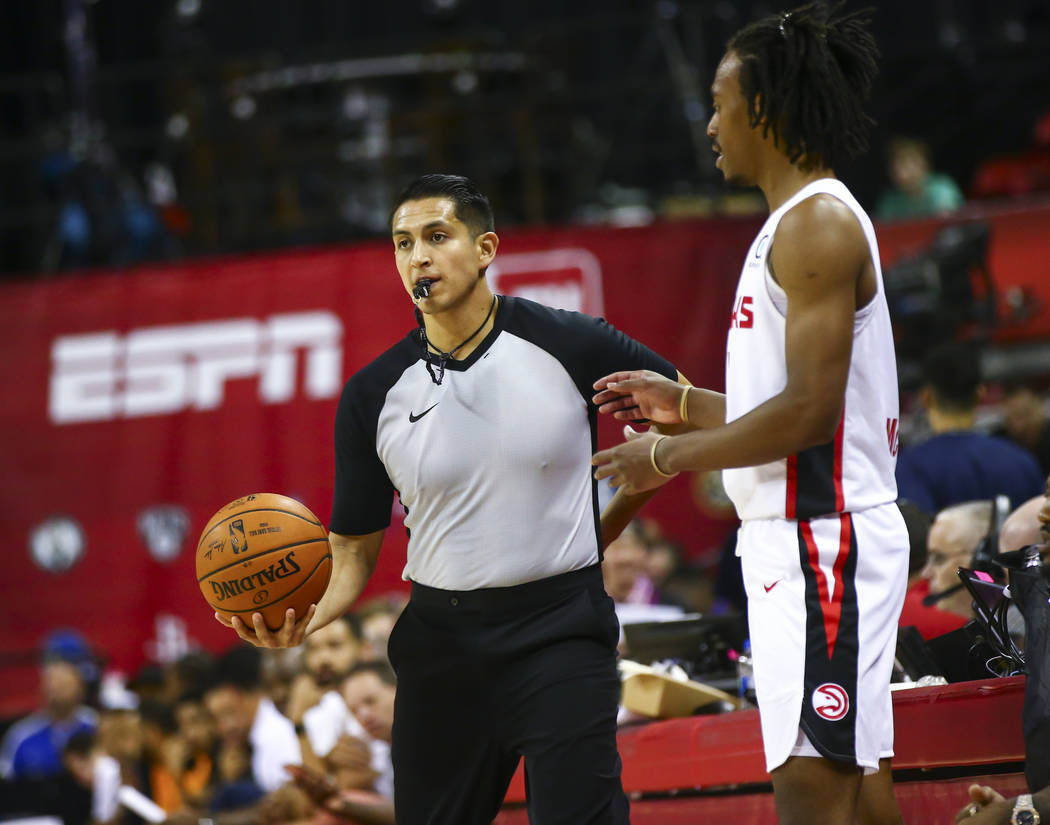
x: 259, y: 123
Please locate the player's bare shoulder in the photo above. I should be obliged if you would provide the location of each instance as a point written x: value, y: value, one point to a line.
x: 818, y: 240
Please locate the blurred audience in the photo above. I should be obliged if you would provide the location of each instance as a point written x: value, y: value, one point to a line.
x: 1019, y: 174
x: 378, y: 617
x: 1025, y: 421
x: 333, y: 739
x: 33, y: 746
x: 97, y: 773
x: 916, y: 191
x: 194, y: 749
x: 369, y: 690
x: 954, y: 537
x: 204, y: 738
x: 624, y: 573
x: 280, y: 669
x: 248, y: 723
x: 928, y: 619
x: 957, y: 463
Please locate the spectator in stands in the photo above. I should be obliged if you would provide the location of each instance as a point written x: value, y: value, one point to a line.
x: 95, y: 772
x: 135, y: 738
x: 190, y: 675
x: 1025, y: 421
x: 1028, y: 524
x: 917, y: 191
x: 929, y: 620
x: 633, y: 594
x: 377, y: 620
x: 280, y: 670
x: 662, y: 560
x: 328, y: 656
x: 958, y: 464
x: 332, y: 739
x: 247, y: 720
x: 32, y: 747
x: 623, y: 569
x: 195, y: 750
x: 157, y: 721
x: 369, y: 690
x: 954, y: 537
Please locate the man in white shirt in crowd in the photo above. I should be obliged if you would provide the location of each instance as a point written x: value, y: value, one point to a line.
x: 369, y: 691
x: 244, y: 714
x: 332, y: 739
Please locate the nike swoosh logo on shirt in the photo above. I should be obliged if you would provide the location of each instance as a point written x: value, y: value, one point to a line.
x: 769, y: 587
x: 413, y: 418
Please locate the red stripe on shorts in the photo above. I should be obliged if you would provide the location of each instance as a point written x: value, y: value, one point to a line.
x: 830, y: 602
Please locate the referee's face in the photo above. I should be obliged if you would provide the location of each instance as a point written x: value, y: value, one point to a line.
x: 431, y: 242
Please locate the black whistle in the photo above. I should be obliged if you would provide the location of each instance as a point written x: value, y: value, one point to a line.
x: 422, y: 289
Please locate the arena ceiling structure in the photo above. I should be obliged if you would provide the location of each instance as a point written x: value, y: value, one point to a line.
x: 257, y: 124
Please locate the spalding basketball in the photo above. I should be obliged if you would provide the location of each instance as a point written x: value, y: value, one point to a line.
x: 263, y: 553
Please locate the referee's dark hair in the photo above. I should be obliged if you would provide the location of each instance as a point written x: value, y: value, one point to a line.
x: 472, y: 207
x: 380, y: 667
x: 806, y: 75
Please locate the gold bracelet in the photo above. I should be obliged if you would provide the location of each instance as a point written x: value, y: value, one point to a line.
x: 683, y: 405
x: 652, y: 459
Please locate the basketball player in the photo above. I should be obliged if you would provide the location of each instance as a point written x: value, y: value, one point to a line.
x: 481, y: 421
x: 806, y: 431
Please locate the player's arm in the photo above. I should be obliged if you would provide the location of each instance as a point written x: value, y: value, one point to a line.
x: 619, y: 512
x: 818, y: 254
x: 623, y: 507
x: 676, y: 407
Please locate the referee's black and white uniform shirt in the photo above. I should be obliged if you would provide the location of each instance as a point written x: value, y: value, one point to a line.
x: 492, y: 466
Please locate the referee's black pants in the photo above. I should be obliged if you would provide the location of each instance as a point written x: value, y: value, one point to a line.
x: 485, y: 677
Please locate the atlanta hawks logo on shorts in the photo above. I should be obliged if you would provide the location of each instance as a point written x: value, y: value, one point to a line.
x: 831, y: 701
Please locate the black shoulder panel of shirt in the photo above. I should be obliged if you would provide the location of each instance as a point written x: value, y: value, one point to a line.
x: 588, y: 347
x: 367, y: 388
x: 362, y: 494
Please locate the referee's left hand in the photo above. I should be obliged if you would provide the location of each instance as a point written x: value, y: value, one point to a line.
x: 628, y: 465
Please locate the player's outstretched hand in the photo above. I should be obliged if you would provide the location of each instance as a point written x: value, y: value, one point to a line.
x: 637, y: 394
x: 629, y: 465
x: 290, y: 634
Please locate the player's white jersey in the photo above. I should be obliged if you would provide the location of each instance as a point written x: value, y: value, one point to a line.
x: 855, y: 470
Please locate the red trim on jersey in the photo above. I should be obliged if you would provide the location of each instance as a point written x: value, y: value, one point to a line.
x: 791, y: 493
x: 840, y: 502
x: 830, y: 602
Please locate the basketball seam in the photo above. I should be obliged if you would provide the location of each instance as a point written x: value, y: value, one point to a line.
x: 256, y: 555
x: 256, y: 510
x: 285, y: 596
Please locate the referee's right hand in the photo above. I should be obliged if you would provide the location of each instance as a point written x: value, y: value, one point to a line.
x: 290, y: 634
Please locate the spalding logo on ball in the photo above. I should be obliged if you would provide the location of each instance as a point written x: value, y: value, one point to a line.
x: 263, y: 553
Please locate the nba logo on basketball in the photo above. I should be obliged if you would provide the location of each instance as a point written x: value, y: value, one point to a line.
x: 237, y: 539
x: 831, y: 701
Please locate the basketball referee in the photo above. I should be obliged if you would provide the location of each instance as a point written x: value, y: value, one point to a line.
x: 481, y: 421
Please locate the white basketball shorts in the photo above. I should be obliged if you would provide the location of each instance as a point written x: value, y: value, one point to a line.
x: 824, y: 598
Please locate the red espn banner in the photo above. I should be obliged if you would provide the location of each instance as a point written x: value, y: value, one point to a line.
x: 139, y: 402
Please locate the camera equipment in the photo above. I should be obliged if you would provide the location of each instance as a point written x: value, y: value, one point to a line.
x: 934, y: 293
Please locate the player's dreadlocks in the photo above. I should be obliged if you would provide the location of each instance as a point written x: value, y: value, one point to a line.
x: 806, y: 75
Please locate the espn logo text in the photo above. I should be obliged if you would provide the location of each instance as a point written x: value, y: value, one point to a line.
x: 166, y: 369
